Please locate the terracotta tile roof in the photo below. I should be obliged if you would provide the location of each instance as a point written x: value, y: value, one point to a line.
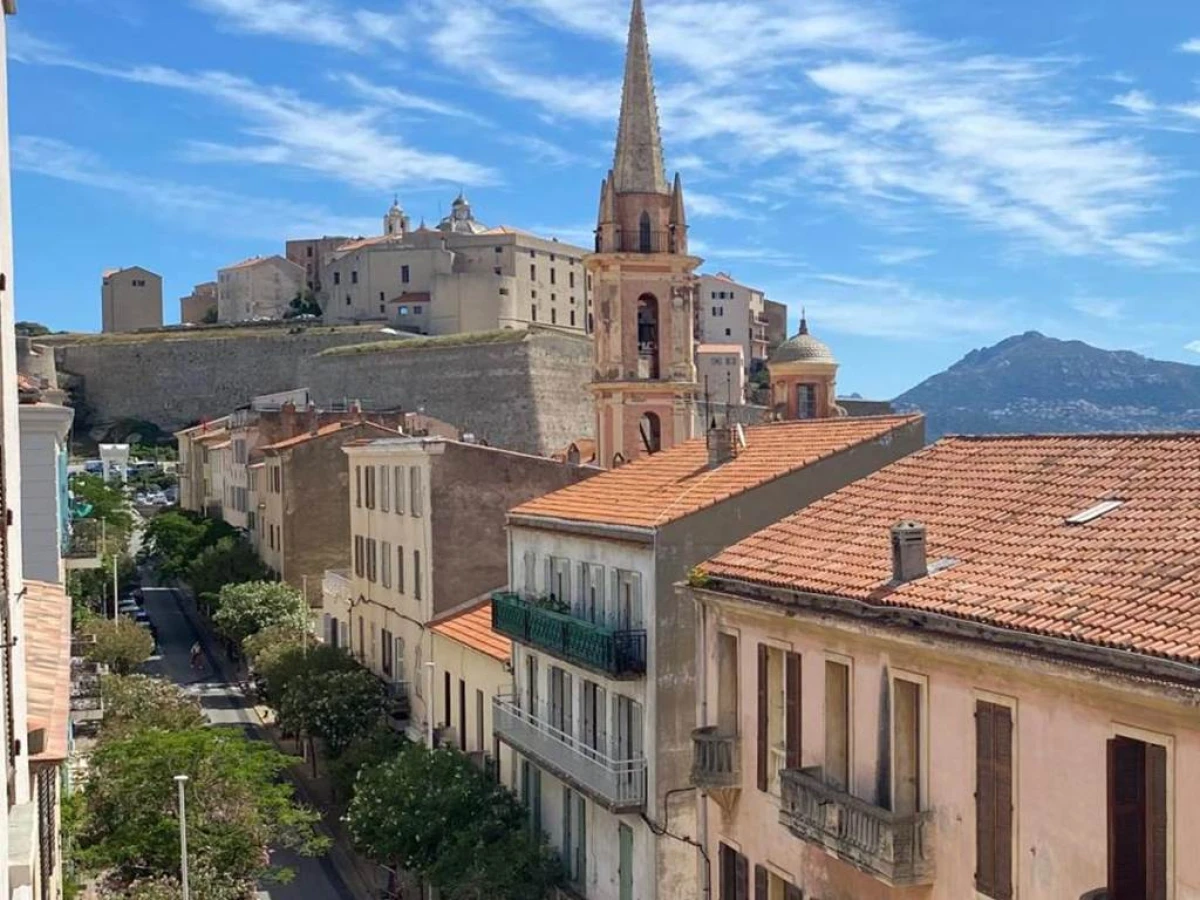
x: 472, y: 627
x: 48, y: 665
x: 998, y: 506
x: 654, y: 490
x: 325, y: 431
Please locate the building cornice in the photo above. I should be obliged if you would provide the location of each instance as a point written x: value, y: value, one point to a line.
x: 600, y: 530
x: 46, y: 417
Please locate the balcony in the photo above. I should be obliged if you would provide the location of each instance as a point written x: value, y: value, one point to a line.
x: 618, y: 785
x: 84, y: 547
x: 612, y: 652
x: 716, y: 763
x: 896, y: 849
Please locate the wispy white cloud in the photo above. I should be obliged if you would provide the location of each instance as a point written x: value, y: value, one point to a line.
x: 1192, y: 45
x: 1137, y: 102
x: 714, y: 207
x: 1193, y: 346
x: 319, y: 22
x: 351, y: 145
x: 192, y: 206
x: 898, y: 256
x: 385, y: 96
x: 1099, y: 307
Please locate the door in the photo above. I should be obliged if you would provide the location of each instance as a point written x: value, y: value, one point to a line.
x: 625, y: 870
x: 531, y: 686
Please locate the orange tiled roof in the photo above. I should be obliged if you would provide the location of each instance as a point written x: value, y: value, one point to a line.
x: 654, y: 490
x: 48, y: 665
x: 473, y: 627
x: 1128, y: 579
x: 325, y: 431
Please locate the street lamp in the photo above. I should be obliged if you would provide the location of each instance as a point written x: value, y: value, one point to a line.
x: 181, y: 780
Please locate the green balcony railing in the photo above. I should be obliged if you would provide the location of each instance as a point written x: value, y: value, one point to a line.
x: 614, y: 652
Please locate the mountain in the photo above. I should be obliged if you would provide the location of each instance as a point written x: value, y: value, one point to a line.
x: 1031, y: 383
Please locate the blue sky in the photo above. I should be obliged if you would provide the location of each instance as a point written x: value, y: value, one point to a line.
x: 925, y: 176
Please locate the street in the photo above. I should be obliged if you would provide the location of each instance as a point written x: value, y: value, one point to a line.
x: 315, y: 878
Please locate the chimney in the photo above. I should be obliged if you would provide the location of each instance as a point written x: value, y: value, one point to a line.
x: 356, y: 410
x: 721, y: 443
x: 314, y: 417
x: 908, y: 552
x: 287, y: 420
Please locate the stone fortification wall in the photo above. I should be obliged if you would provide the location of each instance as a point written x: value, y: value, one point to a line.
x: 523, y: 391
x: 174, y: 379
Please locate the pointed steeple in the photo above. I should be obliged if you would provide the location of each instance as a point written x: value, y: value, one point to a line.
x: 678, y: 215
x: 638, y: 163
x: 608, y: 211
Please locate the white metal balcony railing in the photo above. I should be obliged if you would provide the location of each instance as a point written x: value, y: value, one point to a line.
x: 617, y: 784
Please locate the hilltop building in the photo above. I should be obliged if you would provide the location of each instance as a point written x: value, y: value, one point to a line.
x: 728, y: 312
x: 257, y: 288
x: 312, y: 254
x: 200, y: 305
x: 130, y: 299
x: 803, y: 378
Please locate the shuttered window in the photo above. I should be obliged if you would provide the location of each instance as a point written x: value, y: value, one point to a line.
x: 993, y: 800
x: 734, y: 874
x: 762, y: 883
x: 1137, y: 820
x: 792, y: 710
x: 764, y: 713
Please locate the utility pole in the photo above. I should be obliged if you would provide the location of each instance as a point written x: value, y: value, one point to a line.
x: 181, y: 780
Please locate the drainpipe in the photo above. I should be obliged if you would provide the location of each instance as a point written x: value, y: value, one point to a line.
x: 702, y: 864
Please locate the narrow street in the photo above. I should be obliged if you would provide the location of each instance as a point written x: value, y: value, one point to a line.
x: 315, y: 879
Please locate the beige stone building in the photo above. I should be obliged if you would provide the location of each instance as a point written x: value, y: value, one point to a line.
x: 258, y: 288
x: 427, y: 537
x: 803, y: 378
x: 721, y: 373
x: 312, y: 255
x: 459, y: 277
x: 196, y: 307
x: 130, y: 299
x: 728, y: 312
x: 193, y: 460
x: 972, y: 674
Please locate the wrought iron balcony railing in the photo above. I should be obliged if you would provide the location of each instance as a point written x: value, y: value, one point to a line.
x: 84, y: 546
x: 617, y: 653
x: 716, y: 762
x: 896, y: 849
x: 617, y: 784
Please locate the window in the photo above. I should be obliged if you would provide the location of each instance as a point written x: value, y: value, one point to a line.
x: 806, y: 401
x: 404, y: 274
x: 733, y: 874
x: 400, y: 568
x: 337, y: 277
x: 417, y: 574
x: 628, y: 612
x: 403, y: 311
x: 589, y: 601
x: 359, y: 554
x: 385, y: 646
x: 558, y: 578
x: 593, y: 718
x: 369, y: 486
x: 499, y: 249
x: 572, y: 318
x: 531, y: 793
x: 837, y: 725
x: 414, y: 492
x: 358, y: 482
x: 354, y: 277
x: 570, y: 279
x: 994, y: 802
x: 416, y: 310
x: 385, y: 488
x: 446, y: 720
x: 728, y: 332
x: 778, y: 715
x: 533, y: 312
x: 308, y: 251
x: 574, y: 837
x: 348, y: 301
x: 532, y: 272
x: 769, y: 886
x: 908, y: 745
x: 372, y: 560
x: 385, y: 564
x: 398, y: 482
x: 562, y: 701
x: 382, y: 300
x: 553, y: 316
x: 553, y: 276
x: 530, y: 560
x: 503, y: 292
x: 495, y: 270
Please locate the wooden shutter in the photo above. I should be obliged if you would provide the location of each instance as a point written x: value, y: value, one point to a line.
x: 993, y: 800
x: 741, y: 869
x: 1156, y: 822
x: 763, y: 714
x: 725, y: 872
x: 792, y: 719
x: 761, y: 884
x: 791, y: 892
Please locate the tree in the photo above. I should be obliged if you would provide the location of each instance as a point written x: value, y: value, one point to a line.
x: 433, y: 813
x: 303, y: 304
x: 133, y: 702
x: 209, y: 317
x: 108, y: 504
x: 231, y: 560
x: 238, y: 806
x: 336, y: 706
x: 284, y: 669
x: 379, y: 745
x: 204, y: 883
x: 264, y: 648
x: 122, y: 646
x: 246, y: 608
x: 176, y: 538
x: 31, y: 329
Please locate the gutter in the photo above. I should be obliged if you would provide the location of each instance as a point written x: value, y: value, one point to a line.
x: 1127, y: 661
x: 602, y: 530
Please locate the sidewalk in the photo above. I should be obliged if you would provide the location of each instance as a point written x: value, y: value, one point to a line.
x: 358, y: 874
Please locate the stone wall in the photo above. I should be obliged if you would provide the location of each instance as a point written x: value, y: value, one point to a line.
x: 524, y: 392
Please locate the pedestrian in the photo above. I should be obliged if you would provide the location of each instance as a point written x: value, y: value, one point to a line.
x: 196, y: 651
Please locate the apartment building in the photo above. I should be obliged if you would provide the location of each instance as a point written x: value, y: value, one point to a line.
x: 200, y: 305
x: 427, y: 537
x: 130, y: 299
x: 731, y: 313
x: 459, y: 277
x: 46, y: 524
x: 974, y: 673
x: 603, y: 701
x: 721, y: 373
x: 193, y: 443
x: 312, y: 255
x: 261, y: 287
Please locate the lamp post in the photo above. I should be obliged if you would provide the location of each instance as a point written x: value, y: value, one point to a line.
x: 429, y: 703
x: 181, y: 780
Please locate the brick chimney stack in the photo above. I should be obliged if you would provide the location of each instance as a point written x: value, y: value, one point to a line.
x: 909, y: 555
x: 287, y: 421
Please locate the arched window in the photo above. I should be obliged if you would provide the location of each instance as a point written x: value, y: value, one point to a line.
x: 806, y: 401
x: 647, y: 335
x: 650, y: 427
x: 645, y: 241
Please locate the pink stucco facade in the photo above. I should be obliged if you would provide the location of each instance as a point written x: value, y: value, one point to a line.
x: 1063, y: 717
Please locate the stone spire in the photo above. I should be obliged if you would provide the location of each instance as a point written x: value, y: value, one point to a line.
x: 638, y: 164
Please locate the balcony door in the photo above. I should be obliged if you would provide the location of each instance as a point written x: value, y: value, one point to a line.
x: 1137, y: 820
x: 628, y: 611
x: 562, y: 701
x: 594, y: 719
x: 530, y: 694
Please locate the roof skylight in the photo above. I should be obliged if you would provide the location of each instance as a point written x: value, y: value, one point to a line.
x: 1094, y: 512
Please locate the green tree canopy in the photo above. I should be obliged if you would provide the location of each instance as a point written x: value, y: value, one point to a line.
x: 238, y: 805
x: 31, y: 329
x: 231, y: 560
x: 336, y: 706
x: 265, y: 648
x: 122, y: 646
x: 176, y: 538
x: 108, y: 503
x: 133, y: 702
x: 246, y: 608
x: 432, y: 812
x: 292, y: 666
x: 305, y: 303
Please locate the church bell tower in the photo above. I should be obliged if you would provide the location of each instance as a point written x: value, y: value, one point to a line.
x: 643, y: 283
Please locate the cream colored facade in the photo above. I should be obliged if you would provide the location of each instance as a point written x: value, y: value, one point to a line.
x: 196, y: 306
x: 312, y: 254
x: 1063, y: 716
x: 732, y: 313
x: 721, y: 373
x: 131, y: 299
x: 193, y: 462
x: 434, y: 281
x: 258, y: 288
x: 269, y: 490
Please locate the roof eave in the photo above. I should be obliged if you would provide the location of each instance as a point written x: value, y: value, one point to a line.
x: 1126, y: 661
x: 603, y: 530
